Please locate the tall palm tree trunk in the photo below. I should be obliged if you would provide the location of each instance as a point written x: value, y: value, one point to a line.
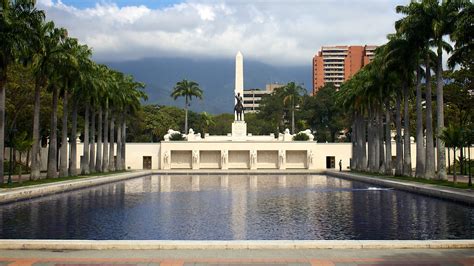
x: 73, y: 142
x: 361, y: 144
x: 376, y: 142
x: 371, y: 142
x: 399, y: 141
x: 118, y: 166
x: 92, y: 144
x: 381, y: 143
x: 36, y: 147
x: 98, y: 161
x: 53, y: 142
x: 420, y: 140
x: 430, y: 155
x: 469, y: 166
x: 407, y: 170
x: 440, y: 146
x: 358, y: 140
x: 111, y: 145
x: 293, y: 115
x: 86, y: 150
x: 449, y: 162
x: 388, y: 139
x: 455, y: 179
x: 105, y: 158
x: 124, y: 143
x: 64, y: 144
x: 354, y: 156
x: 3, y: 89
x: 186, y: 116
x: 364, y: 144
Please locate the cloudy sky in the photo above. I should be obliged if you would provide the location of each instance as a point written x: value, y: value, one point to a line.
x: 279, y: 32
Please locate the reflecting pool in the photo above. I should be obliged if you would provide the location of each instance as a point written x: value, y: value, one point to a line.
x: 228, y: 207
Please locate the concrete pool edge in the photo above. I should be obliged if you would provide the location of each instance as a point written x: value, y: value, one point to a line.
x: 36, y: 191
x: 446, y: 193
x: 19, y: 244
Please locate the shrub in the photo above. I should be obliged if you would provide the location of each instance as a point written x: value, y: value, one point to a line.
x: 176, y: 137
x: 301, y: 137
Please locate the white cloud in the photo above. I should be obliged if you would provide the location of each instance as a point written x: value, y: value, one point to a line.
x: 277, y: 32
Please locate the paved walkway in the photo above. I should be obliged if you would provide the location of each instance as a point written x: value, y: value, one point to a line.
x: 240, y: 257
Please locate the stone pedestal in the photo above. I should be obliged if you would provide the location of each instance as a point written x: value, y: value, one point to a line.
x: 239, y: 130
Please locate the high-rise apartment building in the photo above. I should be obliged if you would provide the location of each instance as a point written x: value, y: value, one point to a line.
x: 337, y: 64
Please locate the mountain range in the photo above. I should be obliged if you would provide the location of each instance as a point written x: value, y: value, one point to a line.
x: 215, y: 76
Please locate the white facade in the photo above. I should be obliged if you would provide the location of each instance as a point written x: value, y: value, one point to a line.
x: 238, y: 155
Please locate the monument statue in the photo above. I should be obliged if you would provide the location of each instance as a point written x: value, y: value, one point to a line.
x: 239, y: 107
x: 239, y: 127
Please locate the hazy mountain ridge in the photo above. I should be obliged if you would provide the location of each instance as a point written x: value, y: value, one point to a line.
x: 215, y: 77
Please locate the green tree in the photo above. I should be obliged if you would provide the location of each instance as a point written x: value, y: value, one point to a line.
x: 323, y: 114
x: 453, y: 137
x: 21, y: 143
x: 292, y: 94
x: 188, y: 90
x: 16, y: 20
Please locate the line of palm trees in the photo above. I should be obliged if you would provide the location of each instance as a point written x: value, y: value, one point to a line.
x: 64, y: 67
x: 397, y: 71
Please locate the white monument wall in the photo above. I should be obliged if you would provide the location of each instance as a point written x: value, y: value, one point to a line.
x: 267, y: 154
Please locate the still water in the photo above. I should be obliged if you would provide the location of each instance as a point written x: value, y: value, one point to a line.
x: 236, y: 207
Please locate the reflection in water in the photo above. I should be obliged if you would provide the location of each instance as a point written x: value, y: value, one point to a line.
x: 253, y: 181
x: 225, y: 181
x: 195, y: 183
x: 165, y: 183
x: 282, y: 181
x: 236, y: 207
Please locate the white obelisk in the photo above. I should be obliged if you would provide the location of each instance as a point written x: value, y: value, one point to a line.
x: 239, y: 128
x: 239, y: 79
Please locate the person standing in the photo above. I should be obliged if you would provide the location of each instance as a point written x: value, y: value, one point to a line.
x: 340, y: 165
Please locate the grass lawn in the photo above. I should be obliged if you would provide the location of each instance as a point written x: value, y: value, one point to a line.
x: 27, y: 182
x: 420, y: 180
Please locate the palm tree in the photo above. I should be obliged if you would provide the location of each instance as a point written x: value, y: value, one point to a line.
x: 17, y: 18
x: 469, y: 141
x: 22, y: 144
x: 462, y: 37
x: 133, y: 95
x: 82, y: 76
x: 188, y: 90
x: 208, y: 121
x: 102, y: 93
x: 292, y: 96
x: 56, y: 38
x: 402, y: 58
x: 441, y: 25
x: 452, y: 136
x: 45, y: 49
x: 68, y: 69
x: 416, y: 25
